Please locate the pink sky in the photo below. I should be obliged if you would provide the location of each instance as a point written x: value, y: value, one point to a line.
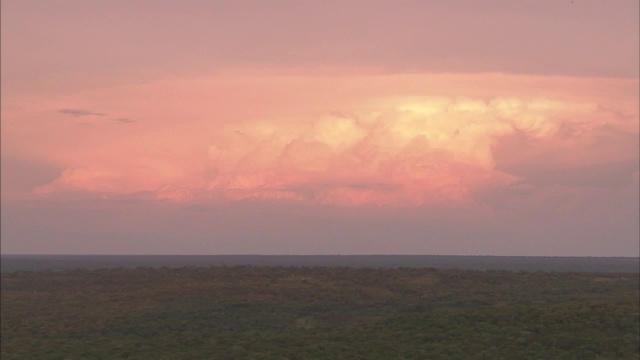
x: 320, y: 127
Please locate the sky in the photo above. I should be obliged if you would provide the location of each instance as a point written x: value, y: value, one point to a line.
x: 492, y: 127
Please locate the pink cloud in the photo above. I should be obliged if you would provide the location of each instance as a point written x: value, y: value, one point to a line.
x: 379, y: 140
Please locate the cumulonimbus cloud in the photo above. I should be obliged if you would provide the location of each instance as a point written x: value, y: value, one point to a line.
x: 388, y: 142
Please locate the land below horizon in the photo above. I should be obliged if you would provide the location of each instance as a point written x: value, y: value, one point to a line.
x: 320, y: 312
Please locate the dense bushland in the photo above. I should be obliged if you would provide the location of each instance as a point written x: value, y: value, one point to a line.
x: 250, y: 312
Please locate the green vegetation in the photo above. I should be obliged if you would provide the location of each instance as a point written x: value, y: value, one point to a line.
x: 249, y: 312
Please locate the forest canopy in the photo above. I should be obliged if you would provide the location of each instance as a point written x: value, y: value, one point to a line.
x: 254, y: 312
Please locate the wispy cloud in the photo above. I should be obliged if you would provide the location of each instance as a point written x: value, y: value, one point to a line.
x: 79, y: 112
x: 124, y: 120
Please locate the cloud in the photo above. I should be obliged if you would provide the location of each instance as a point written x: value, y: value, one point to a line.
x: 387, y: 141
x: 23, y: 174
x: 603, y: 156
x: 411, y: 152
x: 79, y: 112
x: 124, y: 120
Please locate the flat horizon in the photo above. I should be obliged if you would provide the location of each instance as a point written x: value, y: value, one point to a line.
x: 310, y: 255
